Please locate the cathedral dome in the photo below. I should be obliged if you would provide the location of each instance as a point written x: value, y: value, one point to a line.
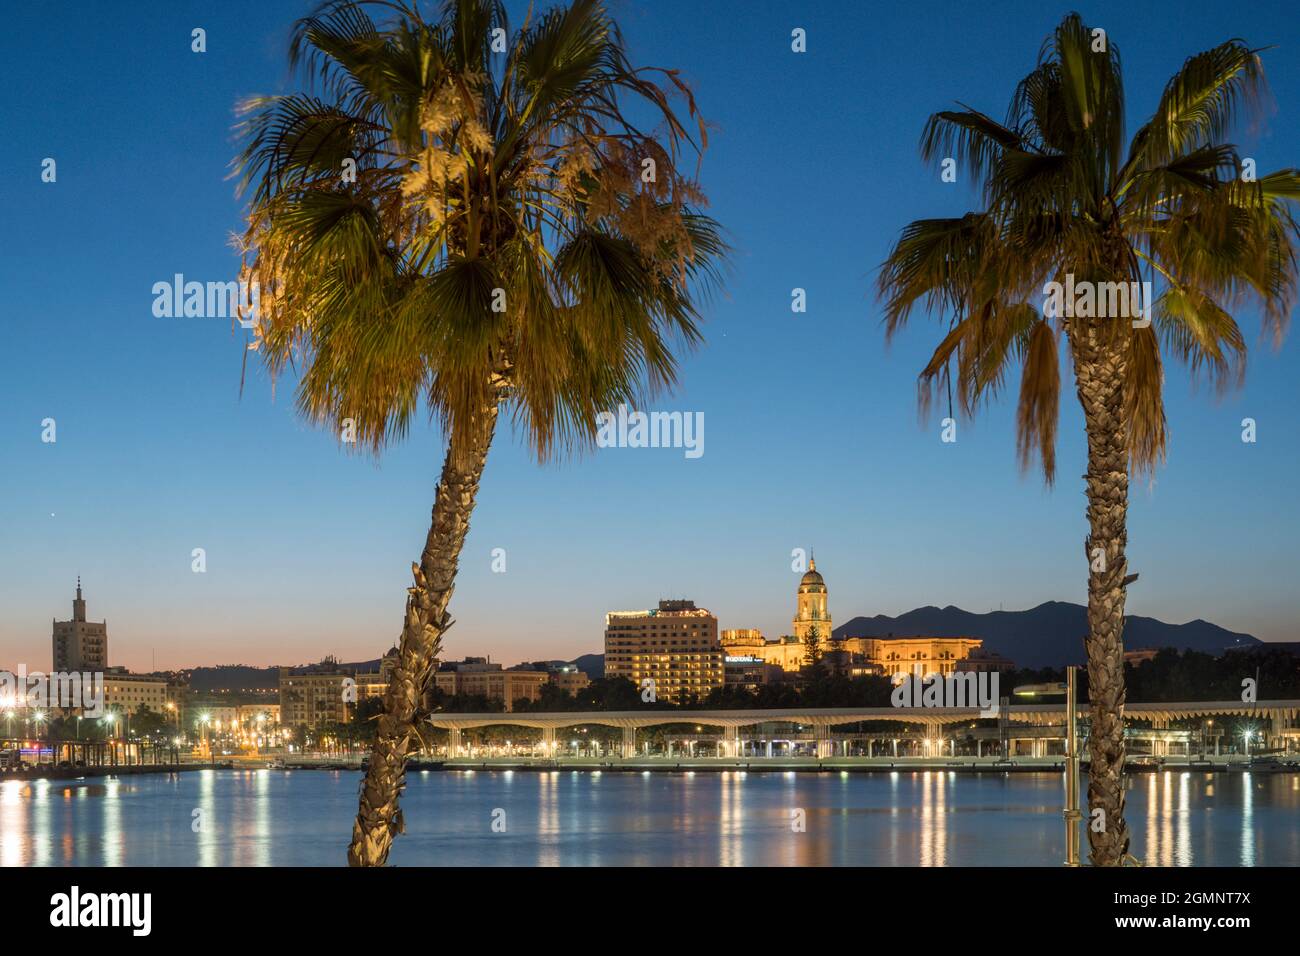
x: 812, y: 578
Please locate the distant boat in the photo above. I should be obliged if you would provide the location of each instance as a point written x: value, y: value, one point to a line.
x: 1271, y: 763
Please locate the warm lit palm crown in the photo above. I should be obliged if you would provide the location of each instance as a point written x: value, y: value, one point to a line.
x: 498, y: 232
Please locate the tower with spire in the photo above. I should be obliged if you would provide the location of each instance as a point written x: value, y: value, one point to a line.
x: 811, y: 614
x: 79, y: 644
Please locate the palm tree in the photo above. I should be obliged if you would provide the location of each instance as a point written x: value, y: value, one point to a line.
x: 463, y: 217
x: 1065, y: 203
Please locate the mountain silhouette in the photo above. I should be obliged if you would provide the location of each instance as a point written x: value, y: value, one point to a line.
x: 593, y: 665
x: 1050, y: 635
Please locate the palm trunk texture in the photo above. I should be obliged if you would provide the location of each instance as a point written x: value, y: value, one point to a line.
x: 1100, y: 367
x: 379, y: 817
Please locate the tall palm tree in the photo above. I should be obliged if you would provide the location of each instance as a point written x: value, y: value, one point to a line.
x: 470, y: 218
x: 1064, y: 202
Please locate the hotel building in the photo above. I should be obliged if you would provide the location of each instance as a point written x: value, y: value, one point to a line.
x: 675, y: 645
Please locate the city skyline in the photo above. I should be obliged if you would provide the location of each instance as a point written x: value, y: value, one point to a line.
x: 796, y: 630
x: 573, y: 434
x: 308, y: 549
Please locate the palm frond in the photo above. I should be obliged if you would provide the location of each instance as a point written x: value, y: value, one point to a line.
x: 496, y: 239
x: 1037, y: 411
x: 1177, y: 213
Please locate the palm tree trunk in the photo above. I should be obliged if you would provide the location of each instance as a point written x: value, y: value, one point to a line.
x: 1100, y: 367
x: 379, y: 818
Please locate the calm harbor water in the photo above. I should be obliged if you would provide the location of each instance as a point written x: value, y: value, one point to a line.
x: 285, y: 818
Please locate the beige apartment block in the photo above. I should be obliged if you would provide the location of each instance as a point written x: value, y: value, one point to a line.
x: 311, y: 696
x: 570, y: 681
x: 478, y: 676
x: 128, y: 693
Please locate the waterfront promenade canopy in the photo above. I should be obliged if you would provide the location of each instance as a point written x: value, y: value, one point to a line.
x: 1160, y: 714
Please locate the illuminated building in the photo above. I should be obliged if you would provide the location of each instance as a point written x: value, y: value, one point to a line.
x: 1140, y: 655
x: 739, y: 641
x: 918, y: 656
x: 812, y: 621
x: 250, y: 715
x: 981, y: 659
x: 859, y: 655
x: 127, y: 692
x: 375, y: 683
x: 477, y: 676
x: 310, y: 696
x: 749, y: 672
x: 674, y: 645
x: 222, y: 715
x: 568, y: 678
x: 80, y: 645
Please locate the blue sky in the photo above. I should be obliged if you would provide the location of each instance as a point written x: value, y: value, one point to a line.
x: 812, y: 435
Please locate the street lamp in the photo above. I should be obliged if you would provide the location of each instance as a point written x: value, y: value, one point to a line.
x: 204, y: 720
x: 39, y: 717
x: 110, y: 720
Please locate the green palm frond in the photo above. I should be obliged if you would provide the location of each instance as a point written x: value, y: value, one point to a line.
x: 1212, y: 92
x: 434, y: 221
x: 1177, y: 212
x: 1200, y: 333
x: 969, y: 136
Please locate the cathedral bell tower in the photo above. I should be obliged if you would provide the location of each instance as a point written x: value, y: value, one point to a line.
x: 811, y: 615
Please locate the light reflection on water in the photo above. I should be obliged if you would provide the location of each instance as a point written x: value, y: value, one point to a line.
x: 560, y: 817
